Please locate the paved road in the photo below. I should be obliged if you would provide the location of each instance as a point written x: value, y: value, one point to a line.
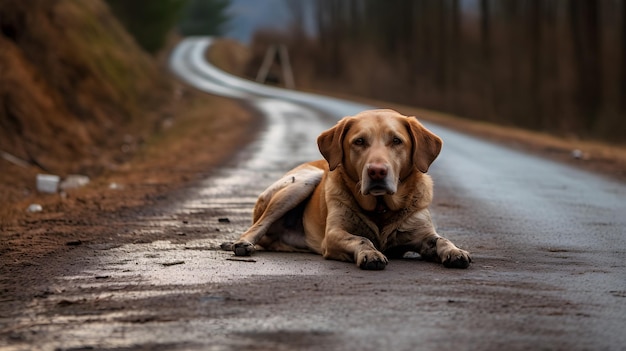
x: 548, y: 243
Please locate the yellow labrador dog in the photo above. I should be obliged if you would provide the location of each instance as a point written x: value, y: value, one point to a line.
x: 367, y: 200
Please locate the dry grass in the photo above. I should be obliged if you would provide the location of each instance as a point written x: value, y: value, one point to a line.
x: 205, y: 131
x: 229, y: 55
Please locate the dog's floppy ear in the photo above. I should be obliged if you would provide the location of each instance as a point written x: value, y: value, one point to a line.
x: 426, y: 145
x: 330, y: 143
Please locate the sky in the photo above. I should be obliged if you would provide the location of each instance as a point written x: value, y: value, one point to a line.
x: 247, y: 16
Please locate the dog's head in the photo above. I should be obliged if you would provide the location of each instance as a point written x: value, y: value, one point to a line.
x: 379, y: 148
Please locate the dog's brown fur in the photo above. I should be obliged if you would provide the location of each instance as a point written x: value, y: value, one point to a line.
x: 369, y: 198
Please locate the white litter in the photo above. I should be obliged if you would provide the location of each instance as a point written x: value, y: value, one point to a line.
x: 34, y: 208
x: 115, y: 186
x: 74, y: 181
x: 48, y: 183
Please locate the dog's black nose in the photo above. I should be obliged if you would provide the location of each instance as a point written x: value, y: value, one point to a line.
x: 377, y: 171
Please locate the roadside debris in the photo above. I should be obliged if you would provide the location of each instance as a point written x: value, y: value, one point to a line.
x: 241, y: 259
x: 51, y: 183
x: 167, y: 264
x: 48, y: 183
x: 578, y: 154
x: 34, y: 208
x: 223, y: 220
x: 14, y: 160
x: 115, y: 186
x: 74, y: 181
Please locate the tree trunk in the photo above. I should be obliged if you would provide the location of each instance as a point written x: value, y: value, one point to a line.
x: 485, y: 34
x: 535, y: 23
x: 623, y: 61
x: 586, y: 38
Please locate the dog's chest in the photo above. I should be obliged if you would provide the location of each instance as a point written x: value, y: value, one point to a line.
x: 379, y: 228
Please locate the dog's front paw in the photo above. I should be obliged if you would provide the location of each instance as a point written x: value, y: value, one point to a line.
x: 243, y: 248
x: 371, y: 260
x: 456, y: 258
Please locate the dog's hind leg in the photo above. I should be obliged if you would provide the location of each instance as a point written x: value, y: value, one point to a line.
x: 281, y: 197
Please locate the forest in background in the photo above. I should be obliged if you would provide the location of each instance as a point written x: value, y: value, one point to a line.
x: 151, y: 22
x: 549, y: 65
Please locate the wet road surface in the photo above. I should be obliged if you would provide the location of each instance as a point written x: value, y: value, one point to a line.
x: 547, y: 241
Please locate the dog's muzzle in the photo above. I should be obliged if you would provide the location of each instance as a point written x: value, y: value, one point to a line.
x: 377, y: 180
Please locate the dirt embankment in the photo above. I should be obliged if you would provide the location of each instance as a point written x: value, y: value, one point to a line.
x: 78, y: 96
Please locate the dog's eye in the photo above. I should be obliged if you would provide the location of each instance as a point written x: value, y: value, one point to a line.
x: 397, y: 141
x: 359, y: 141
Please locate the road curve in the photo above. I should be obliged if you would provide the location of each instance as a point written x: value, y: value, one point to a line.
x: 189, y: 63
x: 548, y: 243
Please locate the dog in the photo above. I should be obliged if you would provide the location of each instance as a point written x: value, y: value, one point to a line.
x: 366, y: 201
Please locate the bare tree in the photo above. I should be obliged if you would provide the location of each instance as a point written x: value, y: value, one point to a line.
x: 622, y: 67
x: 486, y: 51
x: 532, y: 63
x: 586, y: 39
